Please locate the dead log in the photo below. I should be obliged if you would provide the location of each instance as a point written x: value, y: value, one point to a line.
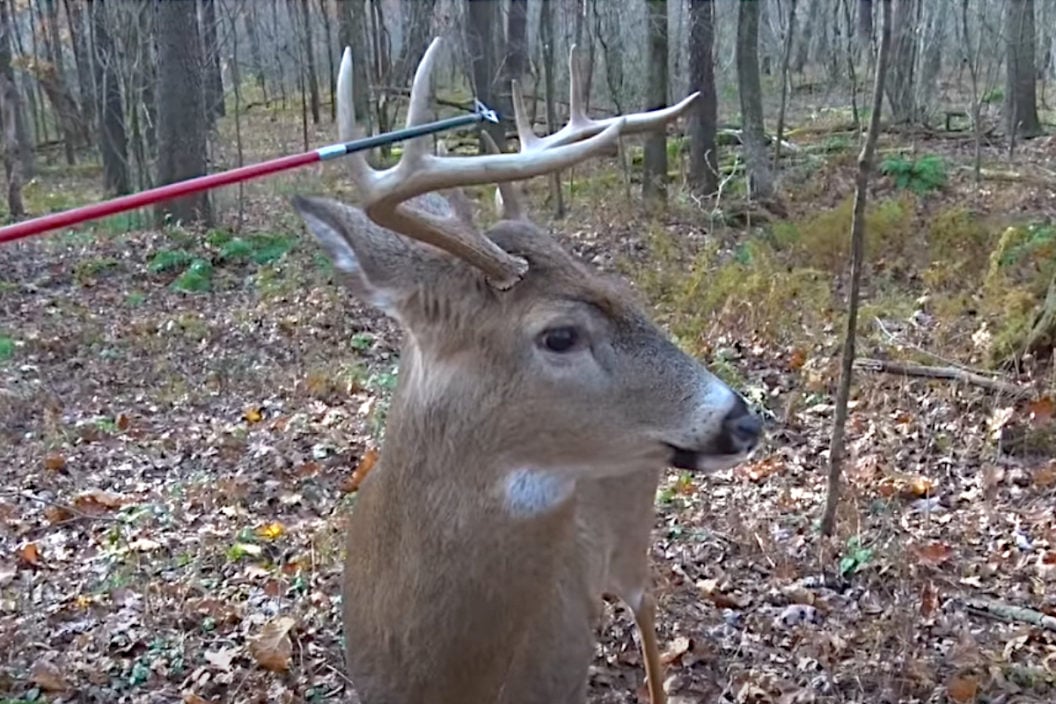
x: 944, y: 373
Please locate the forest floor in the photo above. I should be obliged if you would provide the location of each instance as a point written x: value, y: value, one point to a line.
x: 184, y: 418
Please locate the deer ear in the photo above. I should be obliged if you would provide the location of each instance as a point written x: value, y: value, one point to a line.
x: 380, y: 267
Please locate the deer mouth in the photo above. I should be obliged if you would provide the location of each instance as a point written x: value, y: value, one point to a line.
x: 702, y: 461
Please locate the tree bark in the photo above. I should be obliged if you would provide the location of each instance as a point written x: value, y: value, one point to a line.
x: 900, y: 90
x: 704, y: 119
x: 214, y: 83
x: 548, y: 39
x: 1021, y: 105
x: 113, y: 142
x: 760, y: 178
x: 516, y: 42
x: 309, y: 53
x: 654, y: 180
x: 10, y: 115
x: 786, y: 56
x: 481, y: 30
x: 249, y: 17
x: 865, y: 165
x: 182, y: 128
x: 79, y: 39
x: 352, y: 33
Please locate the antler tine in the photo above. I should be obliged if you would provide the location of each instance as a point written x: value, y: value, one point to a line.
x: 418, y: 109
x: 508, y: 200
x: 347, y: 129
x: 527, y: 138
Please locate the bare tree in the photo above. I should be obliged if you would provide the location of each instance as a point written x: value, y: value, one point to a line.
x: 79, y: 40
x: 249, y: 18
x: 901, y: 91
x: 309, y: 52
x: 113, y: 143
x: 10, y: 115
x: 481, y: 42
x: 703, y: 118
x: 654, y: 180
x: 214, y: 85
x: 516, y: 42
x: 352, y: 33
x: 786, y: 55
x: 1021, y: 105
x: 970, y: 58
x: 865, y: 165
x: 760, y: 178
x: 549, y: 40
x: 182, y: 128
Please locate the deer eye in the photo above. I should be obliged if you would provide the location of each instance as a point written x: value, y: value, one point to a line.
x: 562, y: 339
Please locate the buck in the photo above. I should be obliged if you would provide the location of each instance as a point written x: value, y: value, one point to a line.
x: 536, y: 407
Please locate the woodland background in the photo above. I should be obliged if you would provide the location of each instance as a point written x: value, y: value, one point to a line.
x: 188, y: 399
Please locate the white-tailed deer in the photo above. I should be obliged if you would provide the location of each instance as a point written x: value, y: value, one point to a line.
x: 536, y: 406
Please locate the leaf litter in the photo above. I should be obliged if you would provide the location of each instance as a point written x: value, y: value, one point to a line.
x: 176, y: 474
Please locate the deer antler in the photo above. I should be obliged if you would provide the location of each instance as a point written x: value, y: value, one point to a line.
x: 389, y: 195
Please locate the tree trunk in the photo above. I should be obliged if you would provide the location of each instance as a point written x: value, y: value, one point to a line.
x: 352, y: 32
x: 330, y: 60
x: 516, y: 44
x: 249, y: 17
x: 843, y: 391
x: 607, y: 31
x: 654, y: 180
x: 1021, y: 106
x: 931, y: 60
x: 10, y: 115
x: 113, y: 144
x: 786, y: 55
x: 548, y: 39
x: 802, y: 55
x: 760, y: 179
x: 214, y: 82
x: 309, y: 52
x: 79, y: 39
x: 865, y: 22
x: 703, y: 120
x: 182, y: 128
x: 481, y: 30
x: 52, y: 77
x: 900, y: 90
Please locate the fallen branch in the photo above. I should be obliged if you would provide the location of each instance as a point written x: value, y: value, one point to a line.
x: 1014, y: 177
x: 1008, y: 612
x: 948, y: 373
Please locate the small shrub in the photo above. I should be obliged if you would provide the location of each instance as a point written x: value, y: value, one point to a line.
x: 170, y: 260
x: 198, y: 277
x: 928, y: 173
x: 86, y: 270
x: 994, y: 96
x: 7, y: 347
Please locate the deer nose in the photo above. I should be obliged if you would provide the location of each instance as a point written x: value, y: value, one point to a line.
x: 742, y: 429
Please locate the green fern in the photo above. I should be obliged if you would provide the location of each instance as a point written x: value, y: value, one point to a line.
x: 928, y: 173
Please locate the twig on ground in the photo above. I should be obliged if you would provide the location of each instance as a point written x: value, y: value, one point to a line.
x: 893, y: 339
x: 1008, y: 612
x: 946, y: 373
x: 77, y: 514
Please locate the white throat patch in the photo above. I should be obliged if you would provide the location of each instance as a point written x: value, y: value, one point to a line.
x: 528, y: 492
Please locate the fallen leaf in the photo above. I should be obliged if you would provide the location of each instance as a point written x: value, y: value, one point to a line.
x: 271, y: 648
x: 122, y: 422
x: 366, y: 463
x: 29, y: 554
x: 934, y: 553
x: 998, y: 420
x: 98, y: 500
x: 54, y: 462
x: 962, y: 689
x: 253, y: 414
x: 57, y: 514
x: 929, y: 600
x: 797, y: 359
x: 920, y: 486
x: 1040, y: 412
x: 144, y: 545
x: 1046, y: 476
x: 271, y: 531
x: 47, y: 675
x: 758, y: 471
x: 192, y: 698
x: 221, y: 659
x: 675, y: 650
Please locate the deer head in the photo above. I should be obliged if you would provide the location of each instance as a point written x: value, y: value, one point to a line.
x: 545, y: 362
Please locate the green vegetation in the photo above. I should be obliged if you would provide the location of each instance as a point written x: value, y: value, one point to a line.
x: 928, y: 173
